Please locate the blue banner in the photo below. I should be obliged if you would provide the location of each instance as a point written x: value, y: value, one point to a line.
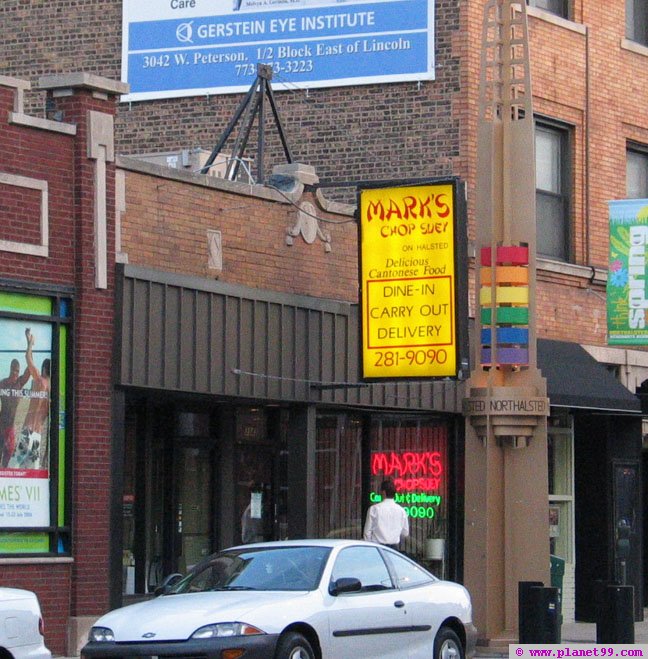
x: 181, y: 54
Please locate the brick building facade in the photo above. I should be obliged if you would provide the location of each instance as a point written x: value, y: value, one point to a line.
x: 49, y: 184
x: 586, y: 78
x: 379, y: 130
x: 402, y: 130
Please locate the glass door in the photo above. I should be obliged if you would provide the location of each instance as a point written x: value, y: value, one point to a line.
x: 254, y: 494
x: 193, y: 505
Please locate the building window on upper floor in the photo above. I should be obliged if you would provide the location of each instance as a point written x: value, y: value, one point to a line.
x: 558, y: 7
x: 636, y: 173
x: 637, y: 21
x: 552, y: 190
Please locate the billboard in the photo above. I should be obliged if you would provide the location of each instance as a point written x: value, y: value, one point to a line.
x: 627, y: 294
x: 196, y: 47
x: 410, y: 296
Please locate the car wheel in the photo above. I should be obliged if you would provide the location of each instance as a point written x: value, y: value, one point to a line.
x: 447, y: 645
x: 294, y: 646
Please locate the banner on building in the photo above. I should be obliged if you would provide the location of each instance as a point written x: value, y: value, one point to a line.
x: 627, y: 294
x: 197, y: 47
x: 25, y: 390
x: 412, y: 293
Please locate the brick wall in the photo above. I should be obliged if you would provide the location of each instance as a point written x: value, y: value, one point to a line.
x: 42, y: 156
x: 51, y: 583
x: 166, y: 222
x: 589, y: 80
x: 581, y: 74
x: 372, y: 132
x: 57, y: 153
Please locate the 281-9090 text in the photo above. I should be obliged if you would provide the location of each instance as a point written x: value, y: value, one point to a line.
x: 411, y: 357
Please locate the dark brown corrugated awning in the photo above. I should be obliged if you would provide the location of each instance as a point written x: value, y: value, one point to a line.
x: 575, y: 379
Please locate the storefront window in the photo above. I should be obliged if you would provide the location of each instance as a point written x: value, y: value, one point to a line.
x: 412, y: 451
x: 339, y: 476
x: 561, y: 486
x: 414, y: 454
x: 34, y: 333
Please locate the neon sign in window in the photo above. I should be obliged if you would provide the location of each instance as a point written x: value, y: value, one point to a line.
x: 417, y: 476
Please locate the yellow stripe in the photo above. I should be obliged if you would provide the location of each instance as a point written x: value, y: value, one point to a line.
x: 504, y: 295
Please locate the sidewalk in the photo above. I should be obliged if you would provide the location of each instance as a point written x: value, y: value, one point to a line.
x: 585, y: 632
x: 573, y: 632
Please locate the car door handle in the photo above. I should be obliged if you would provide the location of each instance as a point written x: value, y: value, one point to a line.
x: 399, y: 604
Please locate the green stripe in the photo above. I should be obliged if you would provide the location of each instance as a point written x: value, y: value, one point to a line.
x: 26, y: 304
x: 508, y: 315
x: 24, y: 543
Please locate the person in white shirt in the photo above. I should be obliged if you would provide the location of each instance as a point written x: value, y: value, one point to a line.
x: 386, y: 521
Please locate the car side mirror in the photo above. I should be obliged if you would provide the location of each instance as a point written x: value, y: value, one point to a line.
x: 168, y: 582
x: 345, y: 585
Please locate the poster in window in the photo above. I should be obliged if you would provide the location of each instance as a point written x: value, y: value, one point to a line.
x: 25, y: 389
x: 554, y: 521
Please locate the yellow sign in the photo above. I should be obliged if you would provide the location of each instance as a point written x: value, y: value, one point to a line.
x: 407, y: 255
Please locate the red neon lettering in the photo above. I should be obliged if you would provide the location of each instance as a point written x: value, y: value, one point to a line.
x: 427, y: 463
x: 410, y: 484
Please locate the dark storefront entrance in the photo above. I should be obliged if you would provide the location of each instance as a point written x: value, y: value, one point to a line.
x: 202, y: 476
x: 195, y: 480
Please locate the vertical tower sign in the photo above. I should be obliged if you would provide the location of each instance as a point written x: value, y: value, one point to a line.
x: 410, y: 295
x: 506, y: 510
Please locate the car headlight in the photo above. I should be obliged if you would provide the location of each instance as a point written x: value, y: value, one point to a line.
x: 225, y: 629
x: 101, y: 635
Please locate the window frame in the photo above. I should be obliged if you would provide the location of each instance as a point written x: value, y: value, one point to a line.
x: 560, y: 430
x: 58, y: 534
x: 564, y: 132
x: 564, y: 12
x: 639, y: 36
x: 641, y: 150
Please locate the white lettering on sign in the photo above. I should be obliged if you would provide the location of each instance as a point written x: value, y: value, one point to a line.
x: 506, y: 406
x: 637, y: 277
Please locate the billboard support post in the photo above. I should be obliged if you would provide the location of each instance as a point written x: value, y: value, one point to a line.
x: 251, y: 107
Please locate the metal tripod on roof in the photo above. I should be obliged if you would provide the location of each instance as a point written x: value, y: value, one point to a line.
x: 251, y: 106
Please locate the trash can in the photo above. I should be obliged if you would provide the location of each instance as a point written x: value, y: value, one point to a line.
x: 615, y: 615
x: 557, y: 575
x: 538, y: 617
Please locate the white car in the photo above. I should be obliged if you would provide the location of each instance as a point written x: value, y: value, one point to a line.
x: 21, y: 625
x: 295, y: 599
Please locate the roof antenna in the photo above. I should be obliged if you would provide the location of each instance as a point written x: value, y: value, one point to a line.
x: 251, y: 106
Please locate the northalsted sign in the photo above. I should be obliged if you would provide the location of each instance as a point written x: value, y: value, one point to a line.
x: 409, y: 281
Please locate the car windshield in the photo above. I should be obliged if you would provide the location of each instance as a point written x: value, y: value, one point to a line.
x: 271, y: 568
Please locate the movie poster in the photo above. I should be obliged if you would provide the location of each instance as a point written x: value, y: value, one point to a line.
x: 25, y: 390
